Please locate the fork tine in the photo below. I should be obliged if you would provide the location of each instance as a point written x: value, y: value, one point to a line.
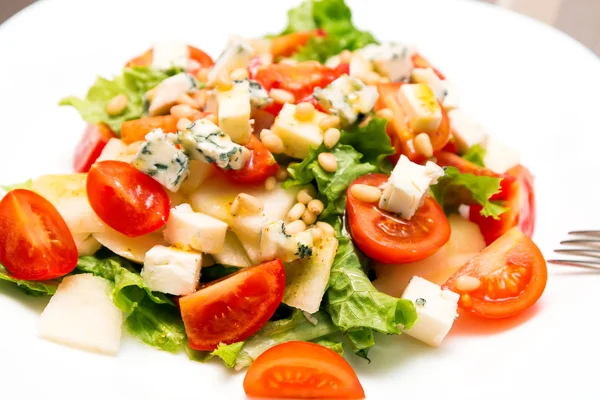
x: 592, y: 242
x: 594, y: 253
x: 585, y: 233
x: 577, y: 263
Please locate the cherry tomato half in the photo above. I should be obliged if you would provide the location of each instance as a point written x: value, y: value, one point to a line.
x: 302, y: 370
x: 286, y: 45
x: 389, y: 239
x: 35, y: 242
x: 201, y: 58
x: 258, y: 168
x: 90, y: 146
x: 126, y: 199
x: 420, y: 62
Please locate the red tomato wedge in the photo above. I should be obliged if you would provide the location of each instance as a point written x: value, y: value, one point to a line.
x: 233, y: 308
x: 389, y: 239
x: 136, y: 130
x: 258, y: 168
x: 286, y: 45
x: 420, y: 62
x: 398, y: 129
x: 35, y: 242
x: 520, y: 199
x: 513, y: 275
x: 302, y: 370
x: 90, y: 146
x: 126, y: 199
x: 197, y: 55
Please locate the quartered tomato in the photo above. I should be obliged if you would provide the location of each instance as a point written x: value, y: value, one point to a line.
x: 35, y: 242
x: 519, y: 198
x: 513, y: 275
x: 137, y: 129
x: 398, y: 128
x: 202, y: 59
x: 231, y: 309
x: 258, y: 168
x: 126, y: 199
x: 420, y: 62
x: 91, y: 145
x: 286, y: 45
x: 302, y: 370
x: 389, y: 239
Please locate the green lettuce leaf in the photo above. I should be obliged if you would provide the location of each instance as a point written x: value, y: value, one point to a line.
x: 333, y: 16
x: 133, y: 83
x: 228, y: 353
x: 31, y: 288
x: 215, y: 272
x: 456, y: 188
x: 372, y: 141
x: 476, y: 155
x: 355, y: 305
x: 332, y: 344
x: 24, y: 185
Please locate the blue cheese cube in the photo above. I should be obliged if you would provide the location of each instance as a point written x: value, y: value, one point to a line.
x: 298, y: 136
x: 436, y: 310
x: 392, y: 60
x: 259, y: 98
x: 442, y: 89
x: 407, y: 187
x: 421, y: 107
x: 347, y: 97
x: 237, y: 54
x: 159, y: 158
x: 276, y: 243
x: 234, y: 112
x: 167, y: 55
x: 172, y: 271
x: 188, y: 229
x: 169, y: 90
x: 205, y: 141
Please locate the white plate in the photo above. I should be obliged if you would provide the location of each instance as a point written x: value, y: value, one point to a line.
x: 532, y: 86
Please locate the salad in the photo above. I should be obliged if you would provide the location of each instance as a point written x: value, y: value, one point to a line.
x: 289, y: 200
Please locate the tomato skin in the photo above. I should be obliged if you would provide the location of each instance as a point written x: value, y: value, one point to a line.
x: 126, y: 199
x: 145, y: 59
x: 90, y: 146
x: 286, y: 45
x: 392, y: 240
x: 232, y: 309
x: 420, y: 62
x: 258, y: 168
x: 302, y: 370
x: 35, y: 241
x: 137, y: 129
x: 513, y: 274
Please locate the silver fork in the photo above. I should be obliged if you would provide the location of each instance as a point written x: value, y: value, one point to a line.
x: 584, y: 247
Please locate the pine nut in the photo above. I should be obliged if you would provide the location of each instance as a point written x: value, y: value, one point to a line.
x: 304, y: 196
x: 317, y: 233
x: 309, y: 218
x: 304, y: 111
x: 328, y: 162
x: 182, y: 111
x: 117, y: 105
x: 385, y: 113
x: 423, y: 145
x: 371, y: 78
x: 264, y: 133
x: 327, y: 229
x: 295, y: 227
x: 296, y: 212
x: 235, y: 207
x: 200, y: 98
x: 185, y: 99
x: 250, y: 203
x: 288, y: 61
x: 270, y: 183
x: 150, y: 94
x: 331, y: 137
x: 316, y: 206
x: 202, y: 74
x: 282, y: 96
x: 345, y: 57
x: 466, y: 283
x: 183, y: 124
x: 329, y: 122
x: 239, y: 74
x: 273, y: 143
x: 366, y: 193
x: 282, y: 174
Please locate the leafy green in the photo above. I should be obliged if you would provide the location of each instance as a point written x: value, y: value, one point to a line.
x: 31, y: 288
x: 456, y: 188
x: 476, y: 155
x: 228, y: 353
x: 332, y: 344
x: 356, y: 306
x: 335, y: 18
x: 24, y: 185
x: 372, y: 141
x: 133, y: 83
x: 215, y: 272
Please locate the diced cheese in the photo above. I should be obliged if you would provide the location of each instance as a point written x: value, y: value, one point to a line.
x: 408, y: 185
x: 82, y: 315
x: 167, y: 55
x: 186, y: 228
x: 159, y: 158
x: 298, y: 136
x: 360, y: 66
x: 430, y: 78
x: 499, y: 157
x: 237, y: 54
x: 466, y: 131
x: 393, y: 60
x: 233, y: 252
x: 199, y: 172
x: 422, y: 108
x: 205, y: 141
x: 172, y: 271
x: 347, y: 97
x: 234, y: 112
x: 452, y: 99
x: 86, y: 244
x: 133, y: 249
x: 169, y: 90
x: 276, y: 243
x: 259, y: 98
x: 436, y: 310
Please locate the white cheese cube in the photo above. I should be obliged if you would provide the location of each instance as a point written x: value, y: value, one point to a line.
x: 200, y: 171
x: 186, y: 228
x: 421, y: 106
x: 452, y: 99
x: 428, y: 77
x: 408, y: 185
x: 392, y: 60
x: 466, y: 131
x: 169, y: 90
x: 436, y: 310
x: 166, y: 55
x: 298, y: 136
x: 237, y: 54
x: 172, y: 271
x: 234, y: 112
x: 275, y: 243
x: 499, y: 157
x: 205, y: 141
x: 159, y: 158
x: 81, y: 314
x: 348, y: 98
x: 86, y: 244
